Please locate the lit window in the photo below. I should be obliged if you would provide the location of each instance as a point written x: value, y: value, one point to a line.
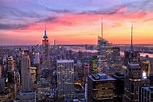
x: 144, y: 75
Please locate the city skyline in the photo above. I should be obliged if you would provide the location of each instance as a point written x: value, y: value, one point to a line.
x: 69, y: 22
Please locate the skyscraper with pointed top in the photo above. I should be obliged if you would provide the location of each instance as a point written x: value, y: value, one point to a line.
x: 45, y: 51
x: 134, y: 76
x: 131, y: 56
x: 107, y: 53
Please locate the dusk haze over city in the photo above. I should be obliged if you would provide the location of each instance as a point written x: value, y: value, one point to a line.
x: 76, y: 50
x: 75, y: 22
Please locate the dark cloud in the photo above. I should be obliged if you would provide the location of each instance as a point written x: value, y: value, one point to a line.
x: 48, y: 19
x: 18, y: 25
x: 59, y: 10
x: 23, y: 13
x: 107, y: 11
x: 12, y: 25
x: 140, y: 6
x: 132, y: 7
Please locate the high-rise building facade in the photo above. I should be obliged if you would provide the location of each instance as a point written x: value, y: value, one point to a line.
x: 101, y: 88
x: 45, y: 51
x: 86, y: 71
x: 133, y: 79
x: 0, y: 71
x: 108, y: 55
x: 136, y: 74
x: 65, y: 79
x: 37, y: 65
x: 10, y: 64
x: 26, y: 78
x: 146, y: 94
x: 36, y: 58
x: 119, y: 86
x: 93, y: 64
x: 104, y: 53
x: 146, y: 68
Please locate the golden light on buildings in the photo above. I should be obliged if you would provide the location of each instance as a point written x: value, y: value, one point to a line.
x: 22, y: 53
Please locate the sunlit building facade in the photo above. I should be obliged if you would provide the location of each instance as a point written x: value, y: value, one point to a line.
x: 93, y: 64
x: 145, y: 65
x: 33, y: 72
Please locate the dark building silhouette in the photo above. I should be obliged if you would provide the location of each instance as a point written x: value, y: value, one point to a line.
x: 119, y: 86
x: 101, y: 88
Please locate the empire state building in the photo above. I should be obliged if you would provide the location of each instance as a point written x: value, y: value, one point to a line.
x: 45, y: 51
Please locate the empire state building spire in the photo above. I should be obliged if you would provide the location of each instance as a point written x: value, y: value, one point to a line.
x: 45, y: 34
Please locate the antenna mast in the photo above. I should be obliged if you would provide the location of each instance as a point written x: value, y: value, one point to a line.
x: 132, y: 36
x: 102, y: 27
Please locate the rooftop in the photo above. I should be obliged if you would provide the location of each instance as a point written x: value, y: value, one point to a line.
x: 148, y: 88
x: 64, y: 61
x: 101, y: 77
x: 133, y: 66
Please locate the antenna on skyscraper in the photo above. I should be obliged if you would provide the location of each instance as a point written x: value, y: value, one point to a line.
x: 132, y: 36
x: 45, y: 35
x: 101, y: 27
x: 45, y: 27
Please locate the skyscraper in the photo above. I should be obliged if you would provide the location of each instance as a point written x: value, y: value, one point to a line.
x: 101, y: 88
x: 10, y: 64
x: 45, y: 51
x: 36, y: 58
x: 134, y: 76
x: 27, y: 93
x: 37, y: 64
x: 146, y: 94
x: 108, y: 55
x: 133, y: 79
x: 0, y: 71
x: 145, y: 65
x: 26, y: 78
x: 93, y: 64
x: 10, y: 69
x: 65, y: 79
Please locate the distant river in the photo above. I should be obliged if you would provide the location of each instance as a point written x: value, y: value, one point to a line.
x: 82, y: 49
x: 141, y: 54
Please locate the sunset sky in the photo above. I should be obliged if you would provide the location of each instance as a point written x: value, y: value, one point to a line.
x: 75, y: 21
